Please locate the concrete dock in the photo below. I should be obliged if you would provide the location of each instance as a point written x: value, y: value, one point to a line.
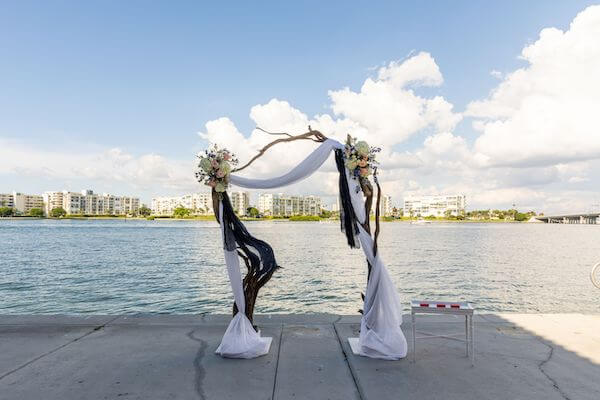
x: 518, y: 356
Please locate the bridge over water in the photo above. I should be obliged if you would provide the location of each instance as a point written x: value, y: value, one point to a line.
x: 589, y: 218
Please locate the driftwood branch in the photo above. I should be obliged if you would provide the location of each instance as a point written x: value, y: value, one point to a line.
x: 313, y: 135
x: 376, y: 235
x: 251, y: 285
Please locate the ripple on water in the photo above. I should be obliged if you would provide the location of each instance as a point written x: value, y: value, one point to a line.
x: 116, y: 267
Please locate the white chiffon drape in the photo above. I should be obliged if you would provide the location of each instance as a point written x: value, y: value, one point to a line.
x: 240, y: 339
x: 380, y: 335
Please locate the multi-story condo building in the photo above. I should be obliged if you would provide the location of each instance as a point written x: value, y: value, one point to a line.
x: 240, y: 201
x: 52, y: 200
x: 165, y: 205
x: 7, y: 200
x: 385, y: 205
x: 335, y: 207
x: 281, y: 205
x: 89, y: 203
x: 22, y: 203
x: 198, y: 203
x: 435, y: 206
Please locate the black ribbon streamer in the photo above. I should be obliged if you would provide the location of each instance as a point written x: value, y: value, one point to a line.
x: 259, y: 253
x: 348, y: 220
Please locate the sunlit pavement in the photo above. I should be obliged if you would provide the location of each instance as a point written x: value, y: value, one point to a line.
x: 517, y: 356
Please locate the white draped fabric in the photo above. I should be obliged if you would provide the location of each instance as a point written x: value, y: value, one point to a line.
x: 240, y: 339
x: 380, y: 335
x: 301, y: 171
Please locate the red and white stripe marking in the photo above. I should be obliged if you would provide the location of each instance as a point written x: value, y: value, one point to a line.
x: 441, y: 304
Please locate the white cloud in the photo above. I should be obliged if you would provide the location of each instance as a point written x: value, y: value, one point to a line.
x: 496, y: 74
x: 385, y: 112
x: 141, y: 172
x: 389, y: 111
x: 546, y: 112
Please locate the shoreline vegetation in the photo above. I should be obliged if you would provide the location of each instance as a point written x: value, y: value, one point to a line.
x: 184, y: 214
x: 297, y: 218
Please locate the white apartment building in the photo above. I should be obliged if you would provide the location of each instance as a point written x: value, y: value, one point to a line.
x: 385, y: 207
x: 240, y: 201
x: 335, y: 207
x: 52, y: 200
x: 7, y: 200
x: 281, y: 205
x: 435, y: 206
x: 89, y: 203
x: 22, y: 203
x: 198, y: 203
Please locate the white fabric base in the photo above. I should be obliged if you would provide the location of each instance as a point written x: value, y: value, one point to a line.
x: 354, y: 345
x: 242, y: 341
x: 357, y: 350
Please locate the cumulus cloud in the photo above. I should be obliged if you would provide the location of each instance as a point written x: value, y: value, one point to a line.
x: 386, y: 111
x: 547, y: 111
x: 141, y: 172
x: 388, y: 108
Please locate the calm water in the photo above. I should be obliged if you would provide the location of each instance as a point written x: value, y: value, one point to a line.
x: 110, y: 267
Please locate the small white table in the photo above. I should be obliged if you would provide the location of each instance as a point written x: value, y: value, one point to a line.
x: 444, y: 307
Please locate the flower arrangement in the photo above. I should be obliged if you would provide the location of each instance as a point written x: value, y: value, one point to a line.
x: 214, y: 168
x: 360, y: 157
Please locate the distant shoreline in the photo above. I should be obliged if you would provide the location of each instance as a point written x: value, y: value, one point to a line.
x: 212, y: 218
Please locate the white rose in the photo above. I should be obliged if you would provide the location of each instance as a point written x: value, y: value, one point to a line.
x: 225, y: 167
x: 362, y: 148
x: 205, y: 164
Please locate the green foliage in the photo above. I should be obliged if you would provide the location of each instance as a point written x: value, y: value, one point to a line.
x: 36, y: 212
x: 502, y: 215
x: 325, y: 214
x: 252, y: 212
x: 58, y: 212
x: 150, y: 218
x: 305, y: 218
x: 144, y: 211
x: 6, y: 211
x: 521, y: 217
x: 181, y: 212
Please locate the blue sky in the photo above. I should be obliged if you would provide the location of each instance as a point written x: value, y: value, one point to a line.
x: 145, y: 77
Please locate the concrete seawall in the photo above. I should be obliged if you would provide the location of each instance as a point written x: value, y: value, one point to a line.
x: 517, y: 356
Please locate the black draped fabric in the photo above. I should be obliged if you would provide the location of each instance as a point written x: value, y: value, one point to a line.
x: 349, y: 224
x: 259, y: 252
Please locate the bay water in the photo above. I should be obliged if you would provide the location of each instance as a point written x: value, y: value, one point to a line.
x: 176, y: 266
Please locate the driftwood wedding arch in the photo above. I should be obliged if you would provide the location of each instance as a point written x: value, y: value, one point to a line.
x: 380, y: 333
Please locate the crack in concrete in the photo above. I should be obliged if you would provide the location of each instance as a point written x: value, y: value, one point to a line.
x: 94, y: 329
x: 541, y: 368
x: 200, y: 373
x: 352, y: 372
x: 277, y: 362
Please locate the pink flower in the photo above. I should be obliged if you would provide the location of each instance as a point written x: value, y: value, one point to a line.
x: 364, y: 172
x: 214, y: 163
x: 362, y: 163
x: 212, y: 183
x: 220, y: 173
x: 226, y: 157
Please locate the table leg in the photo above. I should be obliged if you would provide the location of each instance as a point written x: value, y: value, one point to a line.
x: 414, y: 337
x: 467, y: 333
x: 472, y: 340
